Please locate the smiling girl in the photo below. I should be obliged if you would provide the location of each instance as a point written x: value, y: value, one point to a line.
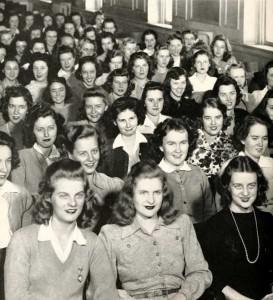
x: 154, y: 253
x: 57, y: 254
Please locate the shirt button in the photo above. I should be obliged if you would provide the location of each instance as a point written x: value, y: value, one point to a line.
x: 185, y: 202
x: 159, y: 264
x: 128, y: 245
x: 157, y: 254
x: 154, y: 243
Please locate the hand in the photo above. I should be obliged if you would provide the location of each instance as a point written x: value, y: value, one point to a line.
x: 268, y: 297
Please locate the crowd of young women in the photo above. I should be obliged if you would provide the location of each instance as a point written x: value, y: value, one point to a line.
x: 159, y: 148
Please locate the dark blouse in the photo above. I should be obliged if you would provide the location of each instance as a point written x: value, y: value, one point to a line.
x: 224, y: 251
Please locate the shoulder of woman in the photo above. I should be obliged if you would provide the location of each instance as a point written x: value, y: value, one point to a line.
x: 28, y: 234
x: 111, y: 231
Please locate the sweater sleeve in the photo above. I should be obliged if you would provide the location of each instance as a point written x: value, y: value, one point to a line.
x: 102, y: 278
x: 17, y: 268
x: 18, y: 175
x: 197, y: 275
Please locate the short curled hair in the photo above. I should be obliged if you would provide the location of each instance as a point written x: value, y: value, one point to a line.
x: 214, y: 102
x: 243, y: 164
x: 175, y: 73
x: 85, y: 60
x: 68, y: 169
x: 78, y: 132
x: 142, y: 45
x: 242, y: 130
x: 43, y: 110
x: 163, y: 47
x: 110, y: 79
x: 175, y: 36
x: 227, y: 54
x: 226, y: 80
x: 162, y: 129
x: 47, y: 95
x: 211, y: 70
x: 37, y: 56
x: 140, y: 55
x: 109, y: 20
x: 14, y: 92
x: 124, y: 210
x: 109, y: 56
x: 6, y: 140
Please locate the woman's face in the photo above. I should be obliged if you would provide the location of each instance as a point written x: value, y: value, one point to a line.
x: 51, y: 38
x: 95, y: 107
x: 38, y: 47
x: 129, y: 49
x: 212, y: 121
x: 20, y: 47
x: 58, y: 92
x: 29, y: 21
x: 243, y: 188
x: 116, y: 63
x: 87, y: 49
x: 256, y: 142
x: 269, y: 108
x: 107, y: 44
x: 120, y: 85
x: 67, y: 61
x: 175, y: 47
x: 189, y: 40
x: 67, y: 200
x: 88, y: 73
x: 269, y: 77
x: 219, y: 49
x: 47, y: 21
x: 5, y: 163
x: 11, y: 70
x: 150, y: 41
x: 60, y: 20
x: 202, y: 64
x: 17, y: 109
x: 68, y: 41
x: 239, y: 75
x: 178, y: 87
x: 141, y: 68
x: 86, y: 151
x: 6, y: 38
x: 14, y: 22
x: 69, y: 28
x: 99, y: 20
x: 40, y: 70
x: 148, y: 197
x: 45, y: 131
x: 154, y: 102
x: 127, y: 122
x: 91, y: 35
x: 77, y: 20
x: 163, y: 58
x: 228, y: 95
x: 175, y: 146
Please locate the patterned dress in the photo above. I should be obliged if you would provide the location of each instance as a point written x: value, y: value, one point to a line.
x: 210, y: 156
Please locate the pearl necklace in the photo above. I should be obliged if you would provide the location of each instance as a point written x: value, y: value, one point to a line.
x: 258, y: 239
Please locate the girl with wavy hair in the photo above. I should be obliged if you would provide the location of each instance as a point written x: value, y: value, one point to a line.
x: 154, y: 252
x: 53, y: 258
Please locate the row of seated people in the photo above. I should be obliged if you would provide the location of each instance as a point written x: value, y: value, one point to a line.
x: 198, y: 129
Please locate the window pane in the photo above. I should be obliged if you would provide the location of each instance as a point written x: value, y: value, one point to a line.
x: 206, y: 11
x: 168, y: 11
x: 269, y: 21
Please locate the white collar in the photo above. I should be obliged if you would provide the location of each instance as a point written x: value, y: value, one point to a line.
x: 168, y: 168
x: 119, y: 142
x: 46, y: 233
x: 264, y: 161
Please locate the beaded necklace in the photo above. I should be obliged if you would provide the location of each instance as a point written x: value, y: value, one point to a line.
x: 258, y: 239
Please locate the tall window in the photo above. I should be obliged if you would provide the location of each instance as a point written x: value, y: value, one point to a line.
x: 93, y: 5
x: 160, y: 12
x: 268, y: 22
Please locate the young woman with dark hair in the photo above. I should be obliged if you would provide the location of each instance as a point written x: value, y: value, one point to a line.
x: 238, y: 240
x: 154, y: 252
x: 54, y: 257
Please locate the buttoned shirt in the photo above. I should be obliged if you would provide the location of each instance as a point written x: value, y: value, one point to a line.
x: 168, y: 258
x: 148, y: 127
x: 202, y: 86
x: 54, y: 154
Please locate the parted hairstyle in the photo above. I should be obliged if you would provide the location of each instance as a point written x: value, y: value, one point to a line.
x: 214, y: 102
x: 227, y: 54
x: 108, y: 59
x: 142, y: 45
x: 175, y: 36
x: 242, y: 130
x: 85, y: 60
x: 68, y: 169
x: 149, y: 86
x: 14, y: 92
x: 163, y: 128
x: 43, y: 110
x: 140, y: 55
x: 163, y: 47
x: 108, y: 85
x: 37, y: 56
x: 211, y: 70
x: 226, y: 80
x: 78, y: 132
x: 47, y: 94
x: 175, y: 73
x: 124, y: 210
x: 6, y: 140
x: 243, y: 164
